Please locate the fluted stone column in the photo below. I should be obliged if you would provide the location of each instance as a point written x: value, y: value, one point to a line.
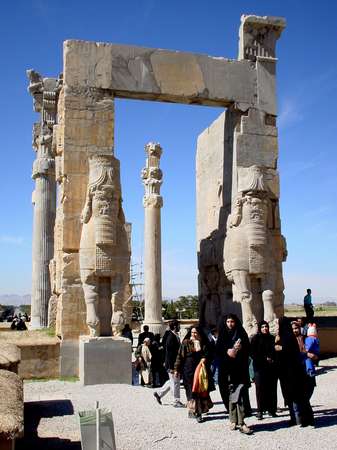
x: 153, y: 201
x: 45, y: 92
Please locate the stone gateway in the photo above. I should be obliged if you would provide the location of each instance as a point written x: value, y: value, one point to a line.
x: 239, y: 242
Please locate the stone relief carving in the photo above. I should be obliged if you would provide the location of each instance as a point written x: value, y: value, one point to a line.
x: 254, y: 251
x: 260, y: 35
x: 104, y: 250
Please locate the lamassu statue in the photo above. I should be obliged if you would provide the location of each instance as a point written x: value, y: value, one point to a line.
x: 104, y: 249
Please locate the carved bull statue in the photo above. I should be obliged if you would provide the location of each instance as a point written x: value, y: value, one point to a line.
x: 104, y: 247
x: 254, y: 251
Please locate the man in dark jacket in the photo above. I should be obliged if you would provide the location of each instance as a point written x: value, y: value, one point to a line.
x: 145, y: 334
x: 171, y: 344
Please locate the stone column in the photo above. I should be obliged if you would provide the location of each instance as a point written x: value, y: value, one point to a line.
x: 153, y: 201
x: 45, y: 93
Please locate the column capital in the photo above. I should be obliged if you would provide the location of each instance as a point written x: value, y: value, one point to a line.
x: 152, y: 201
x: 258, y: 36
x: 152, y: 176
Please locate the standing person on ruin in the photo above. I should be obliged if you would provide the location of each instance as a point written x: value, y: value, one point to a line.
x: 265, y: 374
x: 171, y: 344
x: 233, y: 351
x: 291, y: 371
x: 308, y: 306
x: 191, y: 359
x: 145, y: 334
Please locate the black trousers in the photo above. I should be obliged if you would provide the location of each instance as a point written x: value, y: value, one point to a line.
x: 266, y: 390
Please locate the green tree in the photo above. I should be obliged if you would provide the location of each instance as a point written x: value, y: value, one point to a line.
x: 25, y: 309
x: 169, y: 310
x: 187, y: 307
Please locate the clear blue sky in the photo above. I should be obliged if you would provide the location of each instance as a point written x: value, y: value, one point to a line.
x: 32, y: 33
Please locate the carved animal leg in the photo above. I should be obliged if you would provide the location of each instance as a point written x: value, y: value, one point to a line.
x: 91, y: 300
x: 117, y: 297
x: 268, y: 305
x: 243, y: 294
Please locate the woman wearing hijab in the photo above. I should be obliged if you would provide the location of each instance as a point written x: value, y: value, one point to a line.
x: 192, y: 352
x: 307, y: 359
x: 265, y: 375
x: 291, y: 371
x: 233, y: 353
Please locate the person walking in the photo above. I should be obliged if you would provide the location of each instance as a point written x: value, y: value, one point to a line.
x: 171, y: 344
x: 308, y: 306
x: 233, y: 351
x: 191, y: 364
x: 265, y: 375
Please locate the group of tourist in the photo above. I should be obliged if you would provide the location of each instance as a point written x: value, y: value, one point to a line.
x: 288, y: 356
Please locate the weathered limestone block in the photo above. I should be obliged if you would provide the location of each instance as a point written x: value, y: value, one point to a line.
x: 155, y: 74
x: 256, y: 149
x: 10, y: 357
x: 103, y: 360
x: 258, y: 36
x: 11, y: 409
x: 71, y: 312
x: 213, y: 195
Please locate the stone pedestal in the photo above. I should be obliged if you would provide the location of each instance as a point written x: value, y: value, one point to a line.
x: 104, y: 360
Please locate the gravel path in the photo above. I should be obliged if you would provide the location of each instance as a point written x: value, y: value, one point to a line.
x: 141, y: 424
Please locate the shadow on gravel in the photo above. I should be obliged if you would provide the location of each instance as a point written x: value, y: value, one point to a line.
x: 270, y: 426
x: 325, y: 418
x: 324, y: 369
x: 215, y: 416
x: 33, y: 413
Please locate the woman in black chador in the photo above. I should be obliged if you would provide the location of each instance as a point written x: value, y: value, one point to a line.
x: 233, y: 353
x: 291, y: 371
x: 265, y: 374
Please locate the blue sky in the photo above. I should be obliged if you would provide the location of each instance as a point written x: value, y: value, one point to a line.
x: 32, y: 33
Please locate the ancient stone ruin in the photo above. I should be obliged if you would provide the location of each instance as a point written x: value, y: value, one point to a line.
x: 240, y: 246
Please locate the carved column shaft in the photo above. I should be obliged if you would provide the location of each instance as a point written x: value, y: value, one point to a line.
x: 43, y: 248
x: 152, y: 179
x: 45, y: 94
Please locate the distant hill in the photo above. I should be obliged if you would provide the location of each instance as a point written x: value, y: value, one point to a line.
x: 14, y: 299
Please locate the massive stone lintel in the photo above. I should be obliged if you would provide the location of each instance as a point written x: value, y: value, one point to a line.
x: 161, y: 75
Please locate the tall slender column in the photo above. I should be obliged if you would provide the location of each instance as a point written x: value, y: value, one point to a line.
x: 45, y: 93
x: 153, y: 201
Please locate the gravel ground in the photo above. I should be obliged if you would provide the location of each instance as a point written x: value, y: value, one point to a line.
x: 141, y: 424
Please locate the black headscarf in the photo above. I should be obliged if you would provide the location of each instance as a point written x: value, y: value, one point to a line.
x: 260, y: 324
x: 236, y: 368
x: 287, y: 337
x: 227, y: 337
x: 262, y: 347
